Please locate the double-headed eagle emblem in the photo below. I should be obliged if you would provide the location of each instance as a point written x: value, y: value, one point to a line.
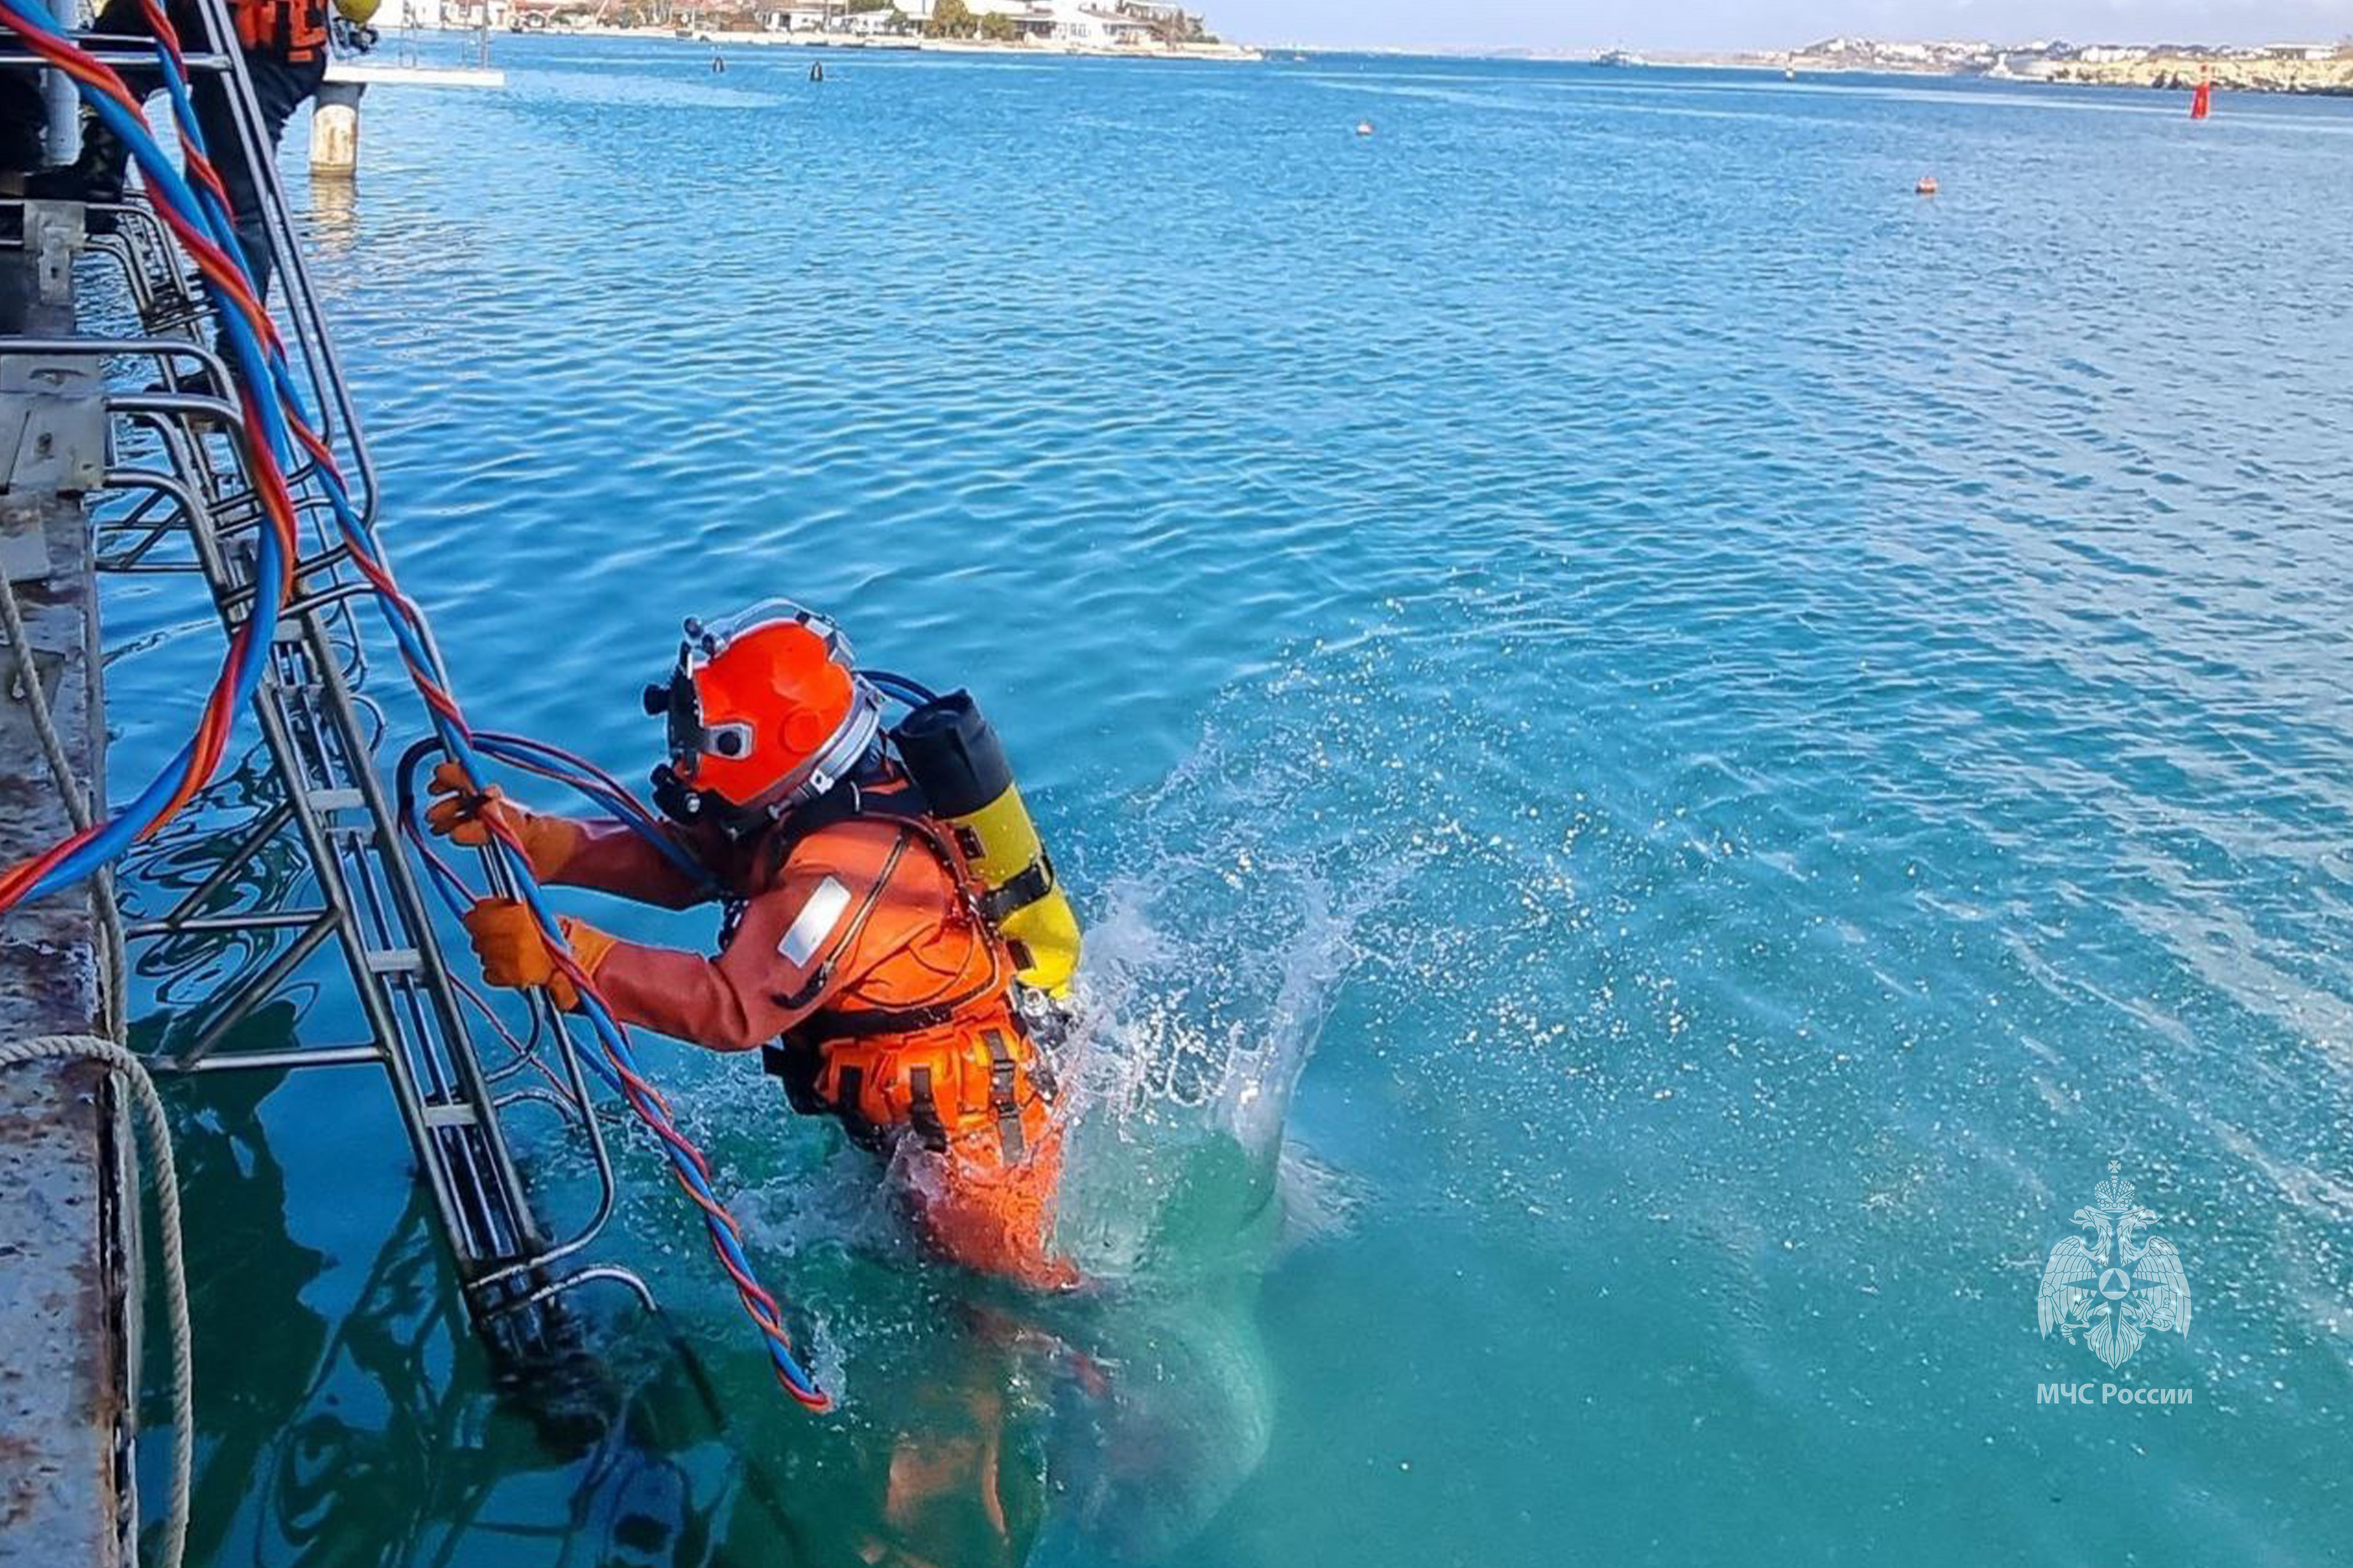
x: 2110, y: 1287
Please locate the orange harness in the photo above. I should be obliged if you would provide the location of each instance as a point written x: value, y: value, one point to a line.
x: 975, y: 1079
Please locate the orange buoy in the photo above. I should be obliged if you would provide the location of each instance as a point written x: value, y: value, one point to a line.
x: 1926, y: 187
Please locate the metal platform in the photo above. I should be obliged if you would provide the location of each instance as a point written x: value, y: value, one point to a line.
x: 364, y: 73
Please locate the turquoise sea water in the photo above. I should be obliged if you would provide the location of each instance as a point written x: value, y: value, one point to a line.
x: 1738, y: 735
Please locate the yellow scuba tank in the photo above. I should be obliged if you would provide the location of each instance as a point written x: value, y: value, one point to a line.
x: 954, y: 756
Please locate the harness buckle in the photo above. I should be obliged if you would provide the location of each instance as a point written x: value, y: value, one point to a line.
x: 1004, y: 1079
x: 923, y: 1111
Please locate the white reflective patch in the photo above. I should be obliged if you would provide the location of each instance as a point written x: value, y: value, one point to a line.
x: 814, y: 924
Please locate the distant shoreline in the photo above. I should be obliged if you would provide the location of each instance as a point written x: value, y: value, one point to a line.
x: 2171, y: 67
x: 2322, y: 70
x: 886, y: 43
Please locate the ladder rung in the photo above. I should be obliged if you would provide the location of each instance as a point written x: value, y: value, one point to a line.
x: 456, y: 1113
x: 394, y: 960
x: 336, y: 799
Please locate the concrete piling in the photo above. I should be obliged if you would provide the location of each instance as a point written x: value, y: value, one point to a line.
x: 335, y: 112
x: 335, y: 131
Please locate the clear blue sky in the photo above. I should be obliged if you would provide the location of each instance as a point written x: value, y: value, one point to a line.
x: 1769, y: 24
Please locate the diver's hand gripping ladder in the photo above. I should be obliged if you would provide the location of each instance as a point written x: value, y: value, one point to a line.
x: 316, y: 860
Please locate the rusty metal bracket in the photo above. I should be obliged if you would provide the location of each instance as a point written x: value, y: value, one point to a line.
x: 53, y: 425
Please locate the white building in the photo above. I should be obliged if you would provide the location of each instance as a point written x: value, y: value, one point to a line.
x: 494, y: 15
x: 833, y: 16
x: 1118, y: 28
x: 1075, y: 22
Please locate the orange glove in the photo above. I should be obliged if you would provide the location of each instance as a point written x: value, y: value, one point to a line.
x: 463, y: 817
x: 514, y: 954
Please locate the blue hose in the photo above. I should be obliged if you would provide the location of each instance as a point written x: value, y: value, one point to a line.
x: 124, y: 827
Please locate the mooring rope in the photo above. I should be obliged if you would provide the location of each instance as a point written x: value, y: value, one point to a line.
x: 164, y: 1177
x: 110, y: 1053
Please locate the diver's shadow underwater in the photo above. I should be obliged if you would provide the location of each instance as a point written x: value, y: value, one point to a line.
x: 1106, y: 1426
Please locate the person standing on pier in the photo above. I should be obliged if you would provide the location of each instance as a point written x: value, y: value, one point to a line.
x: 285, y: 46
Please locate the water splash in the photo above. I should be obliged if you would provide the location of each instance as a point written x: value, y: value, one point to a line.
x: 1215, y: 960
x: 1212, y: 972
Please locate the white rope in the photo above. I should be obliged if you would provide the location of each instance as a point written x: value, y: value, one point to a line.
x: 165, y: 1179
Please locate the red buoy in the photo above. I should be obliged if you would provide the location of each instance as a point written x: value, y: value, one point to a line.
x: 2201, y: 102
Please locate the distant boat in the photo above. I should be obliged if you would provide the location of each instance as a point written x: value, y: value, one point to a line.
x: 1619, y: 57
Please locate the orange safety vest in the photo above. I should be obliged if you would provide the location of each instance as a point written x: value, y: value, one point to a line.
x: 294, y: 29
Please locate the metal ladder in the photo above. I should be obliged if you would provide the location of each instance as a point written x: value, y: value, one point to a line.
x: 302, y: 854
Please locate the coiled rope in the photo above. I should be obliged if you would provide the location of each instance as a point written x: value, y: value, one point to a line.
x: 164, y: 1175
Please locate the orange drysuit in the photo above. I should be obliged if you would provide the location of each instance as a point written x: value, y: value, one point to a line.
x: 852, y: 956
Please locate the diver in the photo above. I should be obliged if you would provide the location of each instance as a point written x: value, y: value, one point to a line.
x: 894, y: 941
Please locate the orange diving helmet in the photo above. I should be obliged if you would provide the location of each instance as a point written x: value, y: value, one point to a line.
x: 766, y: 710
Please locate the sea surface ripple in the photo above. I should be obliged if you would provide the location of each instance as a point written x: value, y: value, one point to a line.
x: 1762, y: 731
